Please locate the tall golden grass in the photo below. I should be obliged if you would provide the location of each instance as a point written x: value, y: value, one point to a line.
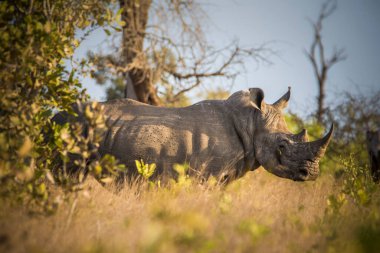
x: 258, y: 213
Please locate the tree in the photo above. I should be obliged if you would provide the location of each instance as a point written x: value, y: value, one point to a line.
x: 321, y: 63
x: 164, y: 53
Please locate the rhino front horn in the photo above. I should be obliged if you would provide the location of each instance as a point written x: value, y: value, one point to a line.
x: 283, y: 101
x: 319, y: 146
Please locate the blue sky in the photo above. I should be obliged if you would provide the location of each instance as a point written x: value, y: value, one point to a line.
x: 355, y: 26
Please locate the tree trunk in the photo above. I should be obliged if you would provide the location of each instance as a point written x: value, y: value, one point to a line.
x: 321, y: 96
x: 322, y: 64
x: 138, y: 78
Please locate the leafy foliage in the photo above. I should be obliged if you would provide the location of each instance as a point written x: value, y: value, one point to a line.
x: 357, y: 182
x: 37, y: 40
x: 353, y: 117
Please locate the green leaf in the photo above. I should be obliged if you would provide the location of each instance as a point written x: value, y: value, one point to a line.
x: 139, y: 166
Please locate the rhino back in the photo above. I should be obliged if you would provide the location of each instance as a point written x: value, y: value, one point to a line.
x: 202, y: 135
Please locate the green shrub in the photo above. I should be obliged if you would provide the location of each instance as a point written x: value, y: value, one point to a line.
x: 37, y: 40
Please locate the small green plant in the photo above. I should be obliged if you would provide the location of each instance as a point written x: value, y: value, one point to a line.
x: 183, y: 178
x: 335, y: 203
x: 255, y: 230
x: 357, y: 184
x: 354, y: 206
x: 356, y: 187
x: 144, y: 169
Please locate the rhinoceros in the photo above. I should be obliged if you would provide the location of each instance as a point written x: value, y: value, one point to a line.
x: 373, y: 146
x: 220, y: 138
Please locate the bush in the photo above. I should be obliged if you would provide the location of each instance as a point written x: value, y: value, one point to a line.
x: 37, y: 40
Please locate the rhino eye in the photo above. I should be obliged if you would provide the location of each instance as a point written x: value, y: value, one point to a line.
x: 280, y: 151
x: 282, y: 147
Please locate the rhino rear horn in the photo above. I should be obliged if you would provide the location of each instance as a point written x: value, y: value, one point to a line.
x: 301, y: 136
x: 283, y: 101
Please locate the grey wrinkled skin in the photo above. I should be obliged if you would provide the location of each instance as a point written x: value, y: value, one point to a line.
x: 220, y: 138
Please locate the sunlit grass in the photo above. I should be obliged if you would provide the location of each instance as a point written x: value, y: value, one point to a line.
x: 259, y: 211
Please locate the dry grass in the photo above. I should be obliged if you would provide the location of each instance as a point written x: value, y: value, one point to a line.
x: 257, y: 213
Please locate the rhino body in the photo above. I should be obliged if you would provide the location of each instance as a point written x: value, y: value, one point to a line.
x: 222, y: 138
x: 209, y: 136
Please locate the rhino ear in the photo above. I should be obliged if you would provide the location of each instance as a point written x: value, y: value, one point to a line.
x: 283, y: 101
x: 257, y: 97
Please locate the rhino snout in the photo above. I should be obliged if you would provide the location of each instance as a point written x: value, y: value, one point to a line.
x: 308, y: 172
x: 305, y: 175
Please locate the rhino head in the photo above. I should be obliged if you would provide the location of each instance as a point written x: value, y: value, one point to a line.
x: 279, y: 151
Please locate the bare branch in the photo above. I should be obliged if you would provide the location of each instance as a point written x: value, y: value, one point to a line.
x: 322, y: 64
x: 171, y: 52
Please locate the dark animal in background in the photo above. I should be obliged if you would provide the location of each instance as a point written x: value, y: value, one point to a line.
x: 373, y: 145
